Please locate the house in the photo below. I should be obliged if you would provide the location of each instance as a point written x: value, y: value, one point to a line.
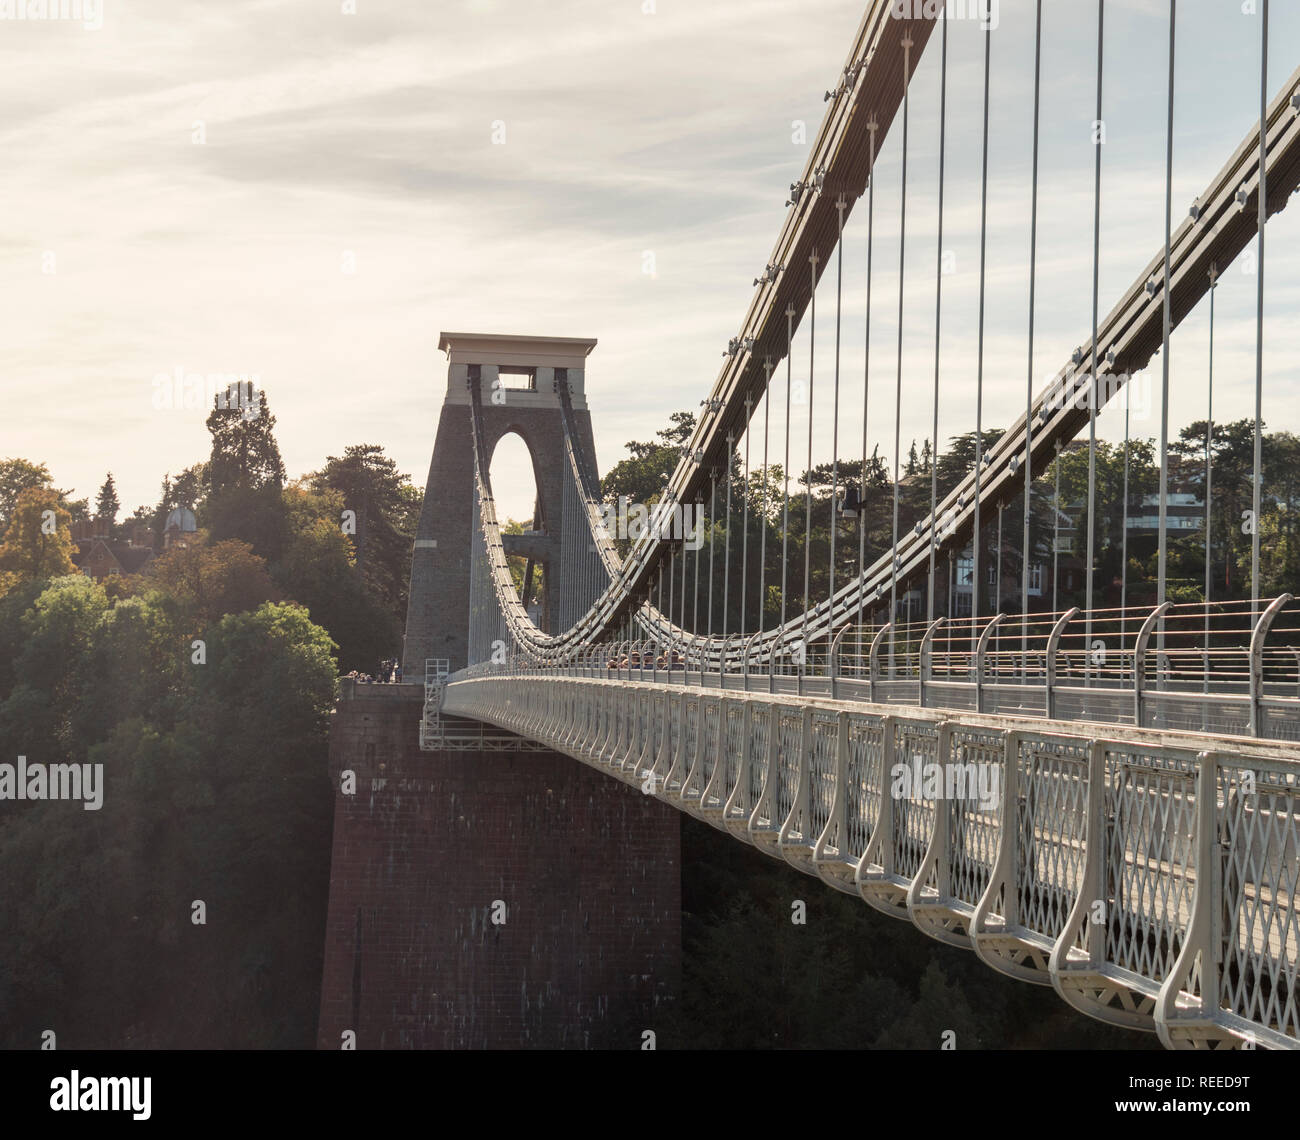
x: 98, y: 555
x: 101, y: 558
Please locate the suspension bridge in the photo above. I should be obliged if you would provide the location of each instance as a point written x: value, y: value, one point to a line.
x: 1100, y: 798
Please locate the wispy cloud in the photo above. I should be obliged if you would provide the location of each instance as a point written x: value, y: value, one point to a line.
x: 328, y: 135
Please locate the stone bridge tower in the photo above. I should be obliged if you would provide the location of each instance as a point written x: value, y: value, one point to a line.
x: 489, y: 894
x: 518, y: 389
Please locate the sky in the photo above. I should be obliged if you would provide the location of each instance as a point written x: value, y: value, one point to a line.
x: 283, y: 189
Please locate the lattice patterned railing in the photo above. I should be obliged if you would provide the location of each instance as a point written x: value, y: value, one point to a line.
x: 1151, y: 881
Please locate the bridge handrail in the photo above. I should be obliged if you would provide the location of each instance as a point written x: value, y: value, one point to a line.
x: 873, y: 657
x: 1031, y: 916
x: 1257, y: 639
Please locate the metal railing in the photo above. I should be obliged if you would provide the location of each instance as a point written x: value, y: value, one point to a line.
x: 436, y: 670
x: 1149, y: 876
x: 1230, y: 669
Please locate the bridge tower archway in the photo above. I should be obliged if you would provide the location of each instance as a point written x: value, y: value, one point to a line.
x: 516, y: 380
x: 516, y: 483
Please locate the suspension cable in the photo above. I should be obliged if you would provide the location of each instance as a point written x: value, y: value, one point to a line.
x: 672, y: 579
x: 785, y: 510
x: 699, y: 517
x: 898, y: 385
x: 1123, y: 544
x: 1209, y: 479
x: 1029, y: 381
x: 744, y: 529
x: 840, y: 206
x: 1257, y: 502
x: 682, y: 623
x: 812, y: 356
x: 1056, y: 534
x: 979, y: 374
x: 762, y: 549
x: 1162, y: 556
x: 726, y: 559
x: 866, y: 367
x: 1098, y: 129
x: 938, y: 315
x: 997, y: 574
x: 713, y: 518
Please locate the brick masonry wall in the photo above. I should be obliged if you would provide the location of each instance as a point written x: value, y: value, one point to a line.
x: 589, y: 871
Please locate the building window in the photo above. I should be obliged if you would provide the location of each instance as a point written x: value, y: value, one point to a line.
x: 961, y: 605
x: 965, y: 568
x: 993, y: 574
x: 1036, y: 577
x: 516, y: 379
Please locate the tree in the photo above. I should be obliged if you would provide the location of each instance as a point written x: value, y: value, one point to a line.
x: 245, y: 473
x: 911, y: 466
x: 277, y: 652
x: 319, y: 572
x: 219, y: 787
x: 13, y: 605
x: 187, y: 487
x: 244, y: 452
x: 132, y: 665
x: 375, y: 492
x: 959, y: 460
x: 253, y: 516
x: 37, y: 543
x: 1232, y: 464
x: 1280, y: 553
x: 214, y: 580
x: 17, y: 476
x: 57, y: 632
x: 642, y: 477
x: 106, y: 502
x: 166, y: 501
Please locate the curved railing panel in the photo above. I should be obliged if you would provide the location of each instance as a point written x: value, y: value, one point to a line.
x: 1101, y: 867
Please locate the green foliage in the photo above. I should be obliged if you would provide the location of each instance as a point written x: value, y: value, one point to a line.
x: 801, y: 527
x: 33, y: 549
x: 58, y: 632
x: 642, y: 477
x: 244, y: 451
x: 132, y: 667
x: 386, y: 509
x: 188, y: 487
x: 519, y: 567
x: 212, y: 579
x: 245, y: 474
x: 17, y: 476
x: 847, y: 978
x: 277, y: 652
x: 215, y: 788
x: 254, y: 515
x: 214, y: 763
x: 319, y: 572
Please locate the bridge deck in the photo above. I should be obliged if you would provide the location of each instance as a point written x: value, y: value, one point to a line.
x: 1112, y: 856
